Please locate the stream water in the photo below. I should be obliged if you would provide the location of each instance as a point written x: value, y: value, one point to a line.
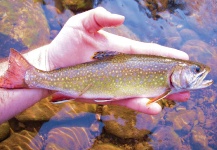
x: 190, y: 26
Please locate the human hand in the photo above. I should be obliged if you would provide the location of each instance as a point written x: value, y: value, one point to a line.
x: 82, y: 36
x: 76, y: 43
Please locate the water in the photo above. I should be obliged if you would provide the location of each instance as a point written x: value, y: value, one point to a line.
x: 187, y: 25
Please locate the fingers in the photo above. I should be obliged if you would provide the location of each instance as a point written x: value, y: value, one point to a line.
x: 139, y: 104
x: 155, y: 49
x: 180, y: 97
x: 126, y: 45
x: 99, y: 18
x: 12, y: 102
x: 94, y: 20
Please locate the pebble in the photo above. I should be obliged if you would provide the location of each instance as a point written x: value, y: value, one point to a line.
x: 182, y: 120
x: 4, y: 131
x: 106, y: 146
x: 21, y: 140
x: 200, y: 115
x: 78, y: 5
x: 126, y: 123
x: 24, y: 25
x: 44, y: 110
x: 165, y: 138
x: 188, y: 34
x: 198, y: 139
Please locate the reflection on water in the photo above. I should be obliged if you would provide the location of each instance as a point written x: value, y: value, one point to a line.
x: 187, y: 25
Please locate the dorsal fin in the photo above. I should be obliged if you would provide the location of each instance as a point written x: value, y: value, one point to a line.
x: 105, y: 54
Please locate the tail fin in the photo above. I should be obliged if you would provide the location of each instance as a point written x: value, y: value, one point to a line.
x: 15, y: 74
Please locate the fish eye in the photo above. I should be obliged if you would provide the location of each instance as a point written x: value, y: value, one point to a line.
x: 196, y: 69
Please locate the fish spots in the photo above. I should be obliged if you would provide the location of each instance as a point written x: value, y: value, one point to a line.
x: 121, y: 76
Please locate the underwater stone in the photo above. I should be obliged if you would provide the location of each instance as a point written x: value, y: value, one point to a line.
x: 169, y: 139
x: 69, y: 137
x: 126, y: 123
x: 22, y: 140
x: 78, y: 5
x: 44, y: 110
x: 201, y: 116
x: 174, y: 42
x: 199, y: 139
x: 188, y: 34
x: 4, y: 131
x: 122, y: 30
x: 198, y: 50
x: 24, y: 21
x: 106, y: 146
x: 182, y: 120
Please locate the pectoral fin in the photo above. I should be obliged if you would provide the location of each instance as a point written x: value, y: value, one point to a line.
x: 60, y: 97
x: 159, y: 97
x: 85, y: 89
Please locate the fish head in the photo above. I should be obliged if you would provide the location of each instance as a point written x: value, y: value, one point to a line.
x: 190, y: 76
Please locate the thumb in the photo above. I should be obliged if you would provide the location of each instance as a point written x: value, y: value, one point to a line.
x: 99, y: 18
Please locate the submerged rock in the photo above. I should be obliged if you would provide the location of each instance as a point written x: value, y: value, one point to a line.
x: 56, y: 19
x: 174, y: 42
x: 126, y: 123
x: 165, y: 138
x: 24, y: 22
x: 69, y: 137
x: 44, y: 110
x: 78, y: 133
x: 201, y: 115
x: 4, y: 131
x: 183, y: 120
x: 188, y: 34
x: 143, y: 146
x: 22, y: 140
x: 201, y: 18
x: 198, y: 50
x: 105, y: 146
x: 78, y: 5
x: 122, y: 31
x: 199, y: 139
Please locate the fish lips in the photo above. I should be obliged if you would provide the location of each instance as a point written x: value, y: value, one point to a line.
x: 200, y: 82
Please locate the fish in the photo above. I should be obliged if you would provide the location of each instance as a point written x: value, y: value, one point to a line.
x: 112, y: 76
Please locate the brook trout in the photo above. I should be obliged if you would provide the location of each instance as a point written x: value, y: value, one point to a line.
x: 113, y: 76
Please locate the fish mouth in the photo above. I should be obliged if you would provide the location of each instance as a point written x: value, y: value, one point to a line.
x: 200, y: 82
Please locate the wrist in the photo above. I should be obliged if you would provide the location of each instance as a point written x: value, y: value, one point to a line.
x: 39, y: 58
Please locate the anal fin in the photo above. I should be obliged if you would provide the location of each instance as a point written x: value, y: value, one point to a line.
x: 102, y: 100
x: 59, y: 97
